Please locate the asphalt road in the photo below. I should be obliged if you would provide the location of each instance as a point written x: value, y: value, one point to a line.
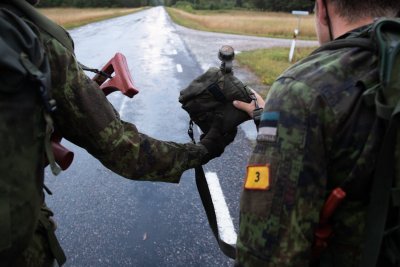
x: 106, y: 220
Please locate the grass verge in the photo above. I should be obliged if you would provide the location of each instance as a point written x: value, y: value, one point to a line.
x: 265, y: 24
x: 268, y: 64
x: 75, y: 17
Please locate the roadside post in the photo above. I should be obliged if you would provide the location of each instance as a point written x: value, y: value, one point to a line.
x: 296, y: 32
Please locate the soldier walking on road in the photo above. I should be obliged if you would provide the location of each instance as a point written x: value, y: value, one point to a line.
x: 42, y: 87
x: 316, y: 134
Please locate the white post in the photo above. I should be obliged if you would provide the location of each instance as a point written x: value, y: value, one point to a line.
x: 293, y: 46
x: 296, y: 32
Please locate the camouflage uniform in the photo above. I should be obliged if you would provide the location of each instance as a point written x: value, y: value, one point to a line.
x: 315, y: 134
x: 85, y: 117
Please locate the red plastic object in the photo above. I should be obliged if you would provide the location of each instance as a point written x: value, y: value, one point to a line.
x: 324, y: 229
x: 62, y: 155
x: 335, y: 198
x: 121, y: 80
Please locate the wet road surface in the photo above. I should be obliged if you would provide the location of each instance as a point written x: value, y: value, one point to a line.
x: 106, y: 220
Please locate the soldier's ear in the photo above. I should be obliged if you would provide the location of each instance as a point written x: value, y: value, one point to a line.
x: 320, y: 12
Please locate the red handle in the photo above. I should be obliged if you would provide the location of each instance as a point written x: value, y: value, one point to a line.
x: 121, y: 80
x: 335, y: 198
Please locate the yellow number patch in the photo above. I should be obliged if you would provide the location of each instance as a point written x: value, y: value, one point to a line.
x: 257, y: 177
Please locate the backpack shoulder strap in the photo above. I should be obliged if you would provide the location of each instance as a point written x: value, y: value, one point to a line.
x: 359, y: 38
x: 44, y: 23
x: 361, y: 42
x: 386, y: 34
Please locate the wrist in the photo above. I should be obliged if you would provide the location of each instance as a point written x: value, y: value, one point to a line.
x: 197, y: 155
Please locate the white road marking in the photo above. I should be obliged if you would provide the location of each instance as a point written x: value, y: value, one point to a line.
x: 121, y: 110
x: 225, y: 225
x: 179, y: 67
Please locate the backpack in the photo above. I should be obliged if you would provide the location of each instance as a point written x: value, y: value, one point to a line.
x: 25, y: 130
x: 382, y: 231
x: 382, y: 245
x: 213, y: 93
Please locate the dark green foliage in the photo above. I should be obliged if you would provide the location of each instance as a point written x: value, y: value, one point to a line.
x: 285, y: 6
x: 100, y: 3
x: 270, y: 5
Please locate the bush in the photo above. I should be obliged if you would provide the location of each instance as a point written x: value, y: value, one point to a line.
x: 184, y: 5
x: 214, y: 6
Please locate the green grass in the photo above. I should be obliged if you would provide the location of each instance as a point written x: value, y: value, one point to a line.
x: 268, y: 64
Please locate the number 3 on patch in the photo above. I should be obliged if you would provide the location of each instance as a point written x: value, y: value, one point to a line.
x: 257, y: 177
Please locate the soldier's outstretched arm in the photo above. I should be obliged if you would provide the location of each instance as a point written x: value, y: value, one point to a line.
x: 285, y: 184
x: 85, y: 117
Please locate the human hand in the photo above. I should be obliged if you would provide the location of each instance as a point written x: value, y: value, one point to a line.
x: 215, y: 140
x: 249, y: 108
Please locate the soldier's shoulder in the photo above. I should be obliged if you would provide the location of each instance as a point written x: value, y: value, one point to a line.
x: 331, y: 66
x: 333, y: 74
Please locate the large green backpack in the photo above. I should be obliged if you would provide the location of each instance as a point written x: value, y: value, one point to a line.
x: 382, y: 233
x: 382, y: 245
x: 25, y: 123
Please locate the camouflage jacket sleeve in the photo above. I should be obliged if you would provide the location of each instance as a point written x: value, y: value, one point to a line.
x: 85, y: 117
x: 280, y: 207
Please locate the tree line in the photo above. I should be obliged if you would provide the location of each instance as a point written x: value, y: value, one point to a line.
x: 267, y: 5
x: 99, y: 3
x: 264, y: 5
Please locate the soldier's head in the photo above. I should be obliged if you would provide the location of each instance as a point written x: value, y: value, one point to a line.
x: 353, y: 10
x: 335, y: 17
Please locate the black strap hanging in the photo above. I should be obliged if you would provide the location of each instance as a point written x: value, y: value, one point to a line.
x: 205, y: 196
x: 380, y: 199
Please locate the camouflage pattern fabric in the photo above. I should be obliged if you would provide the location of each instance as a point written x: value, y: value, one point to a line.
x: 315, y: 134
x: 210, y: 95
x: 85, y: 117
x: 37, y: 254
x: 22, y: 133
x: 39, y: 251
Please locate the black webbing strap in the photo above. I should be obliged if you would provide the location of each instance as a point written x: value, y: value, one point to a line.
x: 97, y: 71
x: 380, y: 198
x: 205, y: 195
x: 44, y: 23
x: 216, y: 92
